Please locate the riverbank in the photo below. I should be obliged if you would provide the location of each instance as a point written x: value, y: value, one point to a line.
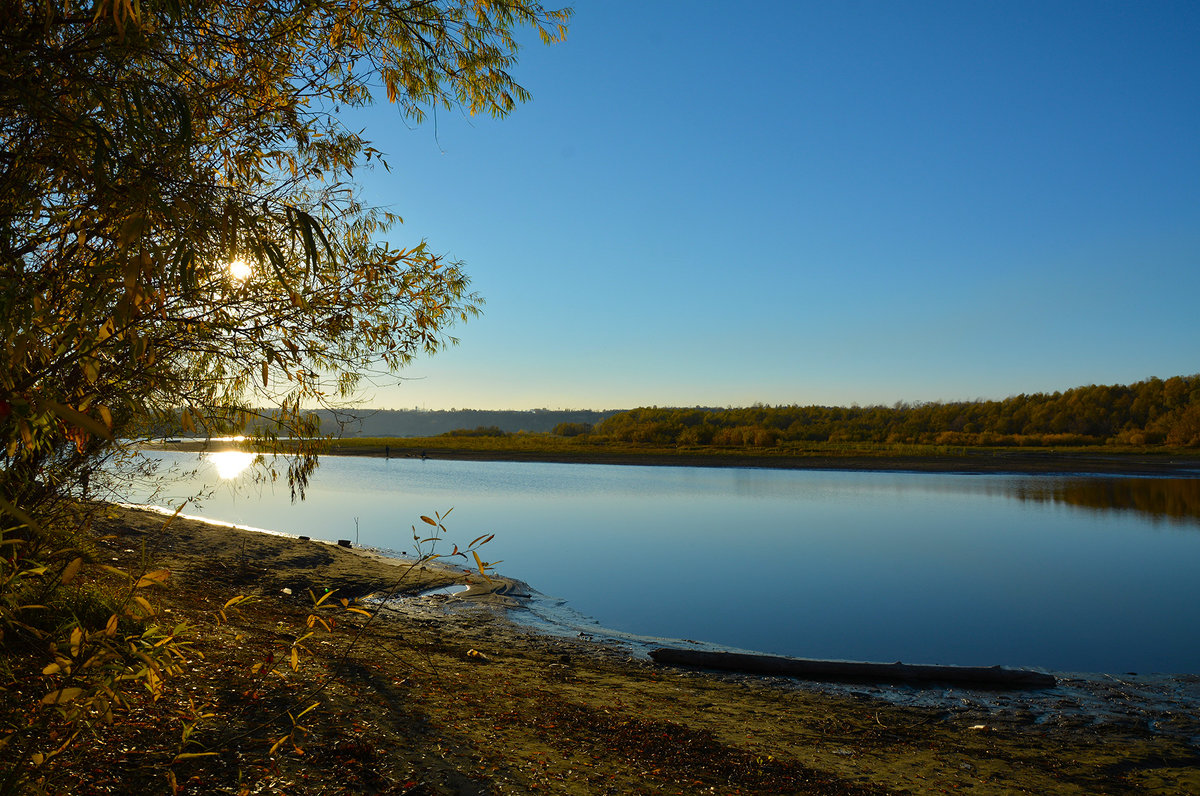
x: 928, y: 459
x: 451, y: 696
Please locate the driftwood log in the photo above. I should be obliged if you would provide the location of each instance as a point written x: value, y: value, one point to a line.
x: 854, y: 672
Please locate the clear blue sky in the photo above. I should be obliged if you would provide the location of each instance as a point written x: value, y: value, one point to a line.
x: 817, y: 203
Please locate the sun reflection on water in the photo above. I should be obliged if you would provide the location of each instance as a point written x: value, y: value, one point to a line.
x: 231, y: 464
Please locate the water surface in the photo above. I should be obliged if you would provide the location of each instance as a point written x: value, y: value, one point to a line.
x: 1065, y: 573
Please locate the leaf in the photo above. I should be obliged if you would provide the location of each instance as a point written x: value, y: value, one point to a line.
x: 72, y: 570
x: 110, y: 628
x: 482, y: 540
x: 427, y: 520
x: 192, y: 755
x: 79, y: 419
x: 62, y: 696
x: 156, y: 578
x: 132, y: 227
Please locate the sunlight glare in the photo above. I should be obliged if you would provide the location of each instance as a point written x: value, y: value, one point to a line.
x: 231, y: 464
x: 239, y: 270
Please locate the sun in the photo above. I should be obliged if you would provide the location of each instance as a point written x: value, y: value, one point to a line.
x: 239, y: 270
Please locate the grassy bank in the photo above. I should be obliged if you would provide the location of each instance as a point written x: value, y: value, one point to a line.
x: 847, y: 456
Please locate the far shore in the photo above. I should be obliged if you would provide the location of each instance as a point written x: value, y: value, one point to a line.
x: 969, y: 460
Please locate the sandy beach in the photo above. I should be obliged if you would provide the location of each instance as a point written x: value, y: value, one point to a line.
x: 445, y: 694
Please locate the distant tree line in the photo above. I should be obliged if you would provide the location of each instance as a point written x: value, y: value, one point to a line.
x: 1151, y: 412
x: 479, y: 431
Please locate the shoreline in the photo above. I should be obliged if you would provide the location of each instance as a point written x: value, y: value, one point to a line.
x: 972, y: 461
x: 491, y: 671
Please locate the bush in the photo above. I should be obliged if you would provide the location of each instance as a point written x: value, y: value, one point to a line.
x: 572, y: 429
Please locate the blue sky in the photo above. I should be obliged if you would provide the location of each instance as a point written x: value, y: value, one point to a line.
x: 816, y: 203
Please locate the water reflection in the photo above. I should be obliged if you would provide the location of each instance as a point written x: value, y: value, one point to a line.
x: 1176, y: 500
x: 231, y: 464
x: 929, y: 568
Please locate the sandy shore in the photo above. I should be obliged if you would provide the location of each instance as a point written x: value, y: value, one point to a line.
x: 451, y: 695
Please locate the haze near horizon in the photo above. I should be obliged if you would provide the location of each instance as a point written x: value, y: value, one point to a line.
x: 816, y: 204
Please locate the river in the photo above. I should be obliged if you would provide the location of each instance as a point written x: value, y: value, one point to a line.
x: 1066, y: 573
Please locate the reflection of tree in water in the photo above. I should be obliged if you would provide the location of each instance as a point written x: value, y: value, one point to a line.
x: 1175, y: 499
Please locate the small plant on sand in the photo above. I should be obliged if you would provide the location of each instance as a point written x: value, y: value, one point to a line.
x: 277, y: 707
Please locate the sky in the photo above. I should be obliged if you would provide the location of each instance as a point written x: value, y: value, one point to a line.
x: 792, y: 202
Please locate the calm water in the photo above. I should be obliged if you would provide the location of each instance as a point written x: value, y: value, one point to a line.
x: 1066, y: 573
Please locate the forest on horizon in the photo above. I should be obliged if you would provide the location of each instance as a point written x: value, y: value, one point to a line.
x: 1147, y: 413
x: 1150, y: 412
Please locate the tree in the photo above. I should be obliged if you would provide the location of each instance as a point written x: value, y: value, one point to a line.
x: 144, y: 148
x: 181, y: 240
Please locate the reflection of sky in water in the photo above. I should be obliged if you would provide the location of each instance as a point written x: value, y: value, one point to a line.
x: 942, y: 568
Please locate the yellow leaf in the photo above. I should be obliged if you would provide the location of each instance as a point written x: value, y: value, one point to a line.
x: 146, y: 606
x: 192, y: 755
x: 72, y: 570
x: 52, y: 668
x: 110, y: 629
x: 482, y: 566
x: 62, y: 695
x: 155, y: 578
x: 77, y: 418
x: 427, y: 520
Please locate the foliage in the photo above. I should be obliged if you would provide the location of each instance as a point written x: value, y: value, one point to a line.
x: 480, y: 431
x: 181, y: 239
x: 77, y: 638
x: 572, y: 429
x: 1146, y: 413
x: 148, y: 147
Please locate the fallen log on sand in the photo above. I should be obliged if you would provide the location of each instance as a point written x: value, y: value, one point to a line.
x: 855, y: 672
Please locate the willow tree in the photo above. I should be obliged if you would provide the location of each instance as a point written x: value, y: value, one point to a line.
x: 180, y: 233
